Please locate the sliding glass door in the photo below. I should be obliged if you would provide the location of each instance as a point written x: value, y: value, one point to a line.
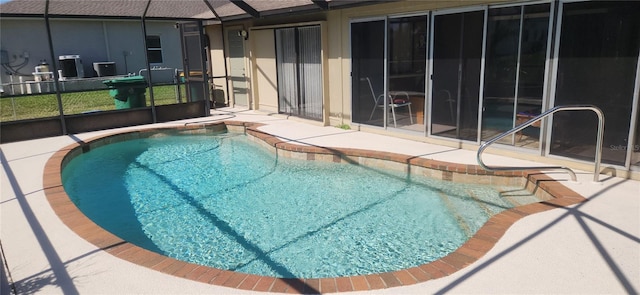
x: 597, y: 64
x: 515, y: 69
x: 299, y: 62
x: 389, y: 62
x: 457, y: 57
x: 493, y: 68
x: 407, y: 65
x: 368, y: 72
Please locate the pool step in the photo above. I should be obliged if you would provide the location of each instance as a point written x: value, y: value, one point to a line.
x: 472, y: 208
x: 456, y: 213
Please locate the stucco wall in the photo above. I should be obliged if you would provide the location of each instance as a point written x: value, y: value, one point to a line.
x: 217, y: 66
x: 262, y: 75
x: 24, y: 37
x: 336, y: 53
x: 264, y: 72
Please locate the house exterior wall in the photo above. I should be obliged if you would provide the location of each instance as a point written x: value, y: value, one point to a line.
x: 337, y: 71
x: 214, y: 34
x: 217, y: 63
x: 119, y: 41
x: 340, y: 49
x: 336, y: 51
x: 84, y: 38
x: 125, y: 41
x: 265, y: 87
x: 336, y: 95
x: 238, y: 66
x: 20, y: 37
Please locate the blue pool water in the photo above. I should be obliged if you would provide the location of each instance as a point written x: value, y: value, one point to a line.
x: 222, y: 201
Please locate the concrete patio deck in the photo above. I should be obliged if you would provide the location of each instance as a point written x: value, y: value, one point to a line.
x: 589, y: 248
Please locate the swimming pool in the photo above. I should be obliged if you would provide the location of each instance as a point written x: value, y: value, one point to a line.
x: 221, y: 200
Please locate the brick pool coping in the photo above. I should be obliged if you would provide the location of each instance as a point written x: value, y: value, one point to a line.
x: 478, y: 245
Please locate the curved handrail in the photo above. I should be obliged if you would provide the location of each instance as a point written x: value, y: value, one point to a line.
x: 598, y: 155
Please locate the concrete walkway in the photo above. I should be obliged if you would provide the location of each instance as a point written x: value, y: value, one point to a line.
x: 589, y: 248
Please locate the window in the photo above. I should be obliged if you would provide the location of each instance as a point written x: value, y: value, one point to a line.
x: 154, y: 49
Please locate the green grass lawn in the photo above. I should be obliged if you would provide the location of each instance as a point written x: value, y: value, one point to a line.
x: 46, y: 105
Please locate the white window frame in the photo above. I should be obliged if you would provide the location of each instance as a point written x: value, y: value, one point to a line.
x: 155, y: 49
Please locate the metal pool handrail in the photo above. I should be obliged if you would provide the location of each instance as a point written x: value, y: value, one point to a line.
x: 598, y: 157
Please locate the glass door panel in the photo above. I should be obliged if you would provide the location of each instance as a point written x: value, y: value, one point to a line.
x: 597, y: 64
x: 310, y: 73
x: 515, y: 72
x: 457, y: 52
x: 407, y: 62
x: 287, y: 70
x: 531, y: 73
x: 367, y: 72
x: 500, y: 78
x: 299, y: 66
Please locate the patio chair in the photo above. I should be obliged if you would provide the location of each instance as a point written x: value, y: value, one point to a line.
x: 396, y: 100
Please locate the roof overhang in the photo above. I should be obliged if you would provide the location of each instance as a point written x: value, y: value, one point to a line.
x: 211, y: 10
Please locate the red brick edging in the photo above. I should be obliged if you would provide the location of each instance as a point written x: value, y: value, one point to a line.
x: 472, y: 250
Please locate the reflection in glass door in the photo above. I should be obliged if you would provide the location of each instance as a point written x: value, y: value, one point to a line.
x: 367, y: 72
x: 515, y: 72
x: 598, y: 52
x: 457, y: 53
x: 407, y: 64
